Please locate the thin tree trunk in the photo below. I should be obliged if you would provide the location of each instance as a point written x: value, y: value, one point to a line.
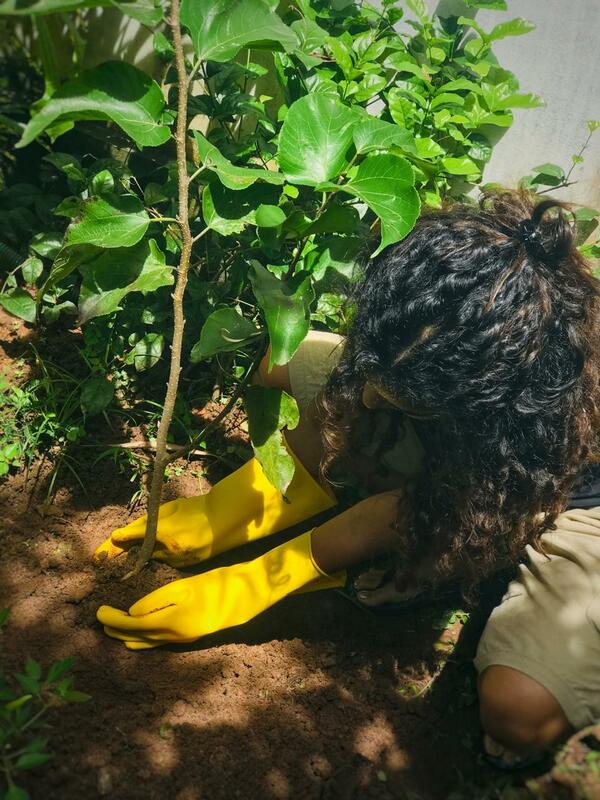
x: 162, y: 458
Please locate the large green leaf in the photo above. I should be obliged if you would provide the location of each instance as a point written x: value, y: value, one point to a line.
x: 220, y: 28
x: 19, y: 303
x: 513, y: 27
x: 116, y: 91
x: 460, y: 166
x: 231, y: 176
x: 21, y: 7
x: 269, y: 411
x: 375, y: 134
x: 386, y: 184
x: 110, y: 221
x: 286, y: 307
x: 96, y: 395
x: 315, y: 138
x: 225, y: 330
x: 116, y: 273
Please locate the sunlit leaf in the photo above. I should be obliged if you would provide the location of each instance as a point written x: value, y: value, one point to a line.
x: 375, y: 134
x: 147, y: 352
x: 115, y: 273
x: 225, y: 330
x: 315, y: 138
x: 513, y: 27
x: 286, y: 308
x: 114, y: 90
x: 231, y: 176
x: 269, y: 412
x: 220, y: 28
x: 19, y: 303
x: 110, y: 221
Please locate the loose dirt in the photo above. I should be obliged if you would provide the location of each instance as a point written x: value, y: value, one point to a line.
x: 316, y: 699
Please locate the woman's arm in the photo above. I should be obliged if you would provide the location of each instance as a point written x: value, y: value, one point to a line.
x: 367, y: 530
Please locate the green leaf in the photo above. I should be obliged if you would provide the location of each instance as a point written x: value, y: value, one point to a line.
x: 386, y: 184
x: 220, y: 28
x: 31, y: 269
x: 33, y: 669
x: 513, y: 27
x: 460, y: 84
x: 31, y: 760
x: 116, y: 91
x: 269, y: 411
x: 102, y: 182
x: 59, y: 668
x: 496, y: 5
x: 115, y: 273
x: 428, y: 149
x: 310, y: 34
x: 335, y: 219
x: 268, y: 216
x: 147, y: 351
x: 225, y: 330
x: 480, y: 149
x: 96, y: 395
x: 73, y: 696
x: 548, y: 175
x: 19, y: 303
x: 66, y: 262
x: 375, y: 134
x: 110, y: 221
x: 447, y: 99
x: 231, y: 176
x: 342, y: 53
x: 228, y: 212
x: 370, y: 85
x: 148, y: 12
x: 399, y: 62
x: 418, y: 8
x: 20, y: 701
x: 286, y: 308
x: 315, y: 138
x: 15, y: 792
x: 46, y: 244
x: 22, y: 7
x: 460, y: 166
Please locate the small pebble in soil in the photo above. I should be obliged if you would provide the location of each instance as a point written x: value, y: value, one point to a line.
x: 104, y: 782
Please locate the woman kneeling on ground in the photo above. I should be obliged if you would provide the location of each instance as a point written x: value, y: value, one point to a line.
x: 465, y: 399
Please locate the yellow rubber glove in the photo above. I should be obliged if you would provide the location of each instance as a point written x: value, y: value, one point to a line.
x: 189, y: 608
x: 241, y: 508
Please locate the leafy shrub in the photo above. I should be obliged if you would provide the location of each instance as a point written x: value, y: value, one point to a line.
x: 325, y: 130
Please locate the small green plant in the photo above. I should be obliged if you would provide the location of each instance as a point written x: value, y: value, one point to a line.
x: 25, y: 700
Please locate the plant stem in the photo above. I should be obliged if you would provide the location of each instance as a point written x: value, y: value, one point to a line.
x: 237, y: 393
x: 162, y: 459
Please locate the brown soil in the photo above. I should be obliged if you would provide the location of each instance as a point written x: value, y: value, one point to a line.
x: 315, y: 698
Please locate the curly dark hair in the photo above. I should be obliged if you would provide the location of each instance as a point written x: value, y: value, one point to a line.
x: 485, y: 320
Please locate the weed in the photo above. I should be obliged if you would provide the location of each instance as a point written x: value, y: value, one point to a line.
x: 25, y: 699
